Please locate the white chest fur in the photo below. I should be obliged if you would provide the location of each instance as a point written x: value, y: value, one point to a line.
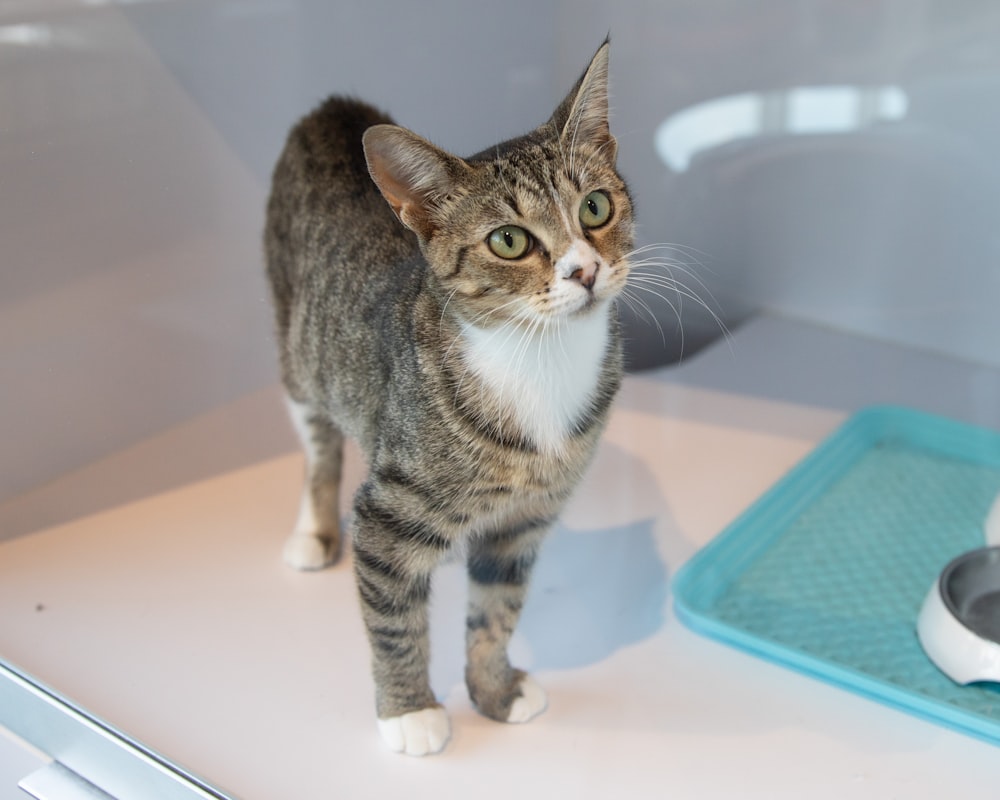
x: 543, y: 377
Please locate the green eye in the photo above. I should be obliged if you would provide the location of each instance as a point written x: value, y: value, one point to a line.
x: 509, y: 241
x: 595, y: 210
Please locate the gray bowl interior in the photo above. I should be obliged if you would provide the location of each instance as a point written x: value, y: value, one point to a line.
x: 970, y: 588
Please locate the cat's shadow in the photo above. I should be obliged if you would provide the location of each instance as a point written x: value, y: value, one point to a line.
x: 594, y: 591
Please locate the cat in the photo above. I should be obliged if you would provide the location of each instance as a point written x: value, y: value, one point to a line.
x: 457, y: 318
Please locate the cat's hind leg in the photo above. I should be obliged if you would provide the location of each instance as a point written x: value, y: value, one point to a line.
x: 499, y: 566
x: 315, y: 540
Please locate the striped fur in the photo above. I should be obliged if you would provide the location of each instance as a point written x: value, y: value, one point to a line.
x: 477, y: 387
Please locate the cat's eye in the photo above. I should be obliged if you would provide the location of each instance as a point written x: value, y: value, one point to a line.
x: 595, y: 210
x: 509, y: 241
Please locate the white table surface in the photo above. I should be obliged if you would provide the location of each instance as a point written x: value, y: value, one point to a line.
x: 173, y: 617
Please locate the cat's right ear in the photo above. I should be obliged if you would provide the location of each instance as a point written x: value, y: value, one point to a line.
x: 412, y: 174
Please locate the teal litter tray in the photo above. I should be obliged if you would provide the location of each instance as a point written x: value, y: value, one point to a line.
x: 826, y: 573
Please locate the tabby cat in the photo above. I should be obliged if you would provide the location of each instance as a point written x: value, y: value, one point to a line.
x: 456, y: 317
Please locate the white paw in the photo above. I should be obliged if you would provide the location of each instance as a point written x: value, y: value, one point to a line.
x: 531, y: 703
x: 418, y: 733
x: 303, y: 551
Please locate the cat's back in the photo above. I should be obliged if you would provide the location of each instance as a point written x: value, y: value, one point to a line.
x: 324, y: 207
x: 323, y: 161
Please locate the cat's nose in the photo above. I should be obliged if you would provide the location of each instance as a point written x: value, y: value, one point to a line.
x: 585, y: 276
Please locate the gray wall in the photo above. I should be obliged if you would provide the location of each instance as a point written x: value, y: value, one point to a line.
x: 136, y: 141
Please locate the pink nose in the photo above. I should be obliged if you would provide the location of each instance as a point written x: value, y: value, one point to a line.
x: 585, y: 276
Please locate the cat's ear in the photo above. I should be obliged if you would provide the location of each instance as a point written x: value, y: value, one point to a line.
x: 412, y: 174
x: 583, y: 115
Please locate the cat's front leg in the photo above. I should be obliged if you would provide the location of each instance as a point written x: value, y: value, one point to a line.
x: 394, y: 556
x: 499, y: 567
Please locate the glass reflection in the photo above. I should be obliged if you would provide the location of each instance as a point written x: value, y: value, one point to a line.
x: 803, y: 110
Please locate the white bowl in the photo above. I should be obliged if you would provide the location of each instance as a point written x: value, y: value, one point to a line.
x: 959, y: 624
x: 992, y: 525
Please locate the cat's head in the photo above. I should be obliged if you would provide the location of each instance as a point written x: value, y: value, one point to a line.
x: 538, y: 228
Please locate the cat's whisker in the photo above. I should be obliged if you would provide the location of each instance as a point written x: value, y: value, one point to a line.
x: 679, y: 289
x: 673, y: 247
x: 645, y: 278
x: 654, y: 264
x: 675, y: 307
x: 540, y: 335
x: 444, y: 308
x: 670, y: 282
x: 653, y: 284
x: 461, y: 378
x: 641, y: 269
x: 668, y: 257
x: 482, y: 317
x: 640, y: 307
x: 560, y: 327
x: 509, y: 328
x: 495, y: 310
x: 520, y: 351
x: 524, y: 345
x: 525, y: 329
x: 460, y: 336
x: 468, y: 364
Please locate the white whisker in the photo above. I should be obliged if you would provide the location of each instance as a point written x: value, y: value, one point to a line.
x: 675, y: 308
x: 660, y: 270
x: 640, y: 307
x: 444, y: 308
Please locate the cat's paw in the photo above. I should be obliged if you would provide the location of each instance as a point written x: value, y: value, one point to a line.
x: 418, y: 733
x: 308, y: 552
x: 530, y: 704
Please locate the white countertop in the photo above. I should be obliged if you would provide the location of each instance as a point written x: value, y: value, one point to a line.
x: 173, y: 617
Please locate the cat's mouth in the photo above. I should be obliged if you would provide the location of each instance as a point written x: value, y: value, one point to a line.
x: 597, y: 297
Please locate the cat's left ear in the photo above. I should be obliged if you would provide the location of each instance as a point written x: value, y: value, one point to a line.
x: 412, y: 174
x: 583, y: 115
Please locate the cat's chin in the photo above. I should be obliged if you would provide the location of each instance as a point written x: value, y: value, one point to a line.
x: 589, y: 307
